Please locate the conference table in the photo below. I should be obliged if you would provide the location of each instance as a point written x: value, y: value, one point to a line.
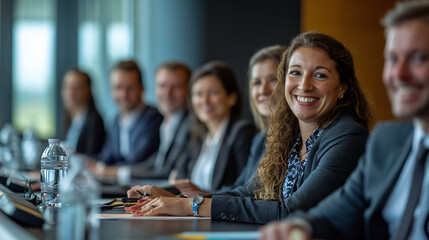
x: 129, y: 227
x: 135, y: 229
x: 150, y: 229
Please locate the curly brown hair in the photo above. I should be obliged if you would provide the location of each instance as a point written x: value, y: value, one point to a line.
x: 284, y: 126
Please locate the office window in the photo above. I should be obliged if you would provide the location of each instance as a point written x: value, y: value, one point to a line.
x: 106, y: 35
x: 33, y: 66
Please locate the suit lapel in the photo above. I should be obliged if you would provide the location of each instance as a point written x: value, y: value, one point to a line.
x: 81, y: 143
x: 222, y: 157
x: 176, y: 134
x: 115, y: 137
x: 396, y: 155
x: 137, y: 125
x: 194, y: 153
x: 395, y: 165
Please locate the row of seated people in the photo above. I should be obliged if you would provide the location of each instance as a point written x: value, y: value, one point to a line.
x: 318, y: 128
x: 209, y: 144
x: 319, y: 121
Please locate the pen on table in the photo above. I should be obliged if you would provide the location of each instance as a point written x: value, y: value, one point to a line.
x: 143, y: 194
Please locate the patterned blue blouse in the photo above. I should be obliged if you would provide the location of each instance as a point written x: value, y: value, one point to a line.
x: 295, y: 170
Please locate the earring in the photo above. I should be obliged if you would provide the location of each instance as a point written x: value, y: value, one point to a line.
x: 342, y: 95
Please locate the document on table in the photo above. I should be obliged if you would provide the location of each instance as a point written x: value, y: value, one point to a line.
x: 110, y: 216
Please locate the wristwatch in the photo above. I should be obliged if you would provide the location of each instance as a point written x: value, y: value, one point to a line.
x: 196, y: 201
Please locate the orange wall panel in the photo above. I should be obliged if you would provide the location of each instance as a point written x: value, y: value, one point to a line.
x: 357, y: 25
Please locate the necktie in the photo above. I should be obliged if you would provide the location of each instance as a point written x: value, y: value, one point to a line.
x: 416, y: 185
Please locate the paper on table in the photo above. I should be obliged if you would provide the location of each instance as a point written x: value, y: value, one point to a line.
x: 131, y: 217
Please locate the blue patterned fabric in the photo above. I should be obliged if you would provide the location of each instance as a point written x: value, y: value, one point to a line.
x: 295, y: 170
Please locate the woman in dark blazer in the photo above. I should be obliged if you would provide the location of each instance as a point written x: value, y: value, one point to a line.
x: 84, y: 128
x: 262, y: 80
x: 317, y: 132
x: 230, y: 160
x: 221, y: 142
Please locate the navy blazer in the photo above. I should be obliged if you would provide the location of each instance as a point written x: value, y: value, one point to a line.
x: 232, y: 157
x: 144, y: 139
x: 354, y: 211
x: 92, y: 135
x: 178, y: 146
x: 257, y: 151
x: 332, y: 158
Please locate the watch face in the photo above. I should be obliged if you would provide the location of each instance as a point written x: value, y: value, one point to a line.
x: 197, y: 199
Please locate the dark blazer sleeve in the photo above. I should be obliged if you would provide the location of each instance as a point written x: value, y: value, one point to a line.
x: 92, y: 136
x: 232, y: 157
x: 329, y: 163
x: 352, y: 205
x: 354, y: 211
x: 186, y: 161
x: 257, y: 150
x: 110, y: 151
x: 233, y: 154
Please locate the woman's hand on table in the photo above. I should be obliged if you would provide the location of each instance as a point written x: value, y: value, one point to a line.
x: 149, y: 189
x: 172, y: 206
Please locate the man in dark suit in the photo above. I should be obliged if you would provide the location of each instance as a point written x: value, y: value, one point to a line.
x: 134, y: 135
x: 171, y: 90
x: 387, y: 196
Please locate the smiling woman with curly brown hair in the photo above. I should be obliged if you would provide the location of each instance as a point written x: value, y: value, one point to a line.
x: 316, y: 135
x: 281, y: 136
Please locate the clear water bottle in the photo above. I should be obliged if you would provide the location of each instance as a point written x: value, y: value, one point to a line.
x: 78, y: 217
x: 54, y: 165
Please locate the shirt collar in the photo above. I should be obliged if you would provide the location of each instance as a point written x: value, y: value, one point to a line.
x: 172, y: 123
x: 309, y: 142
x: 175, y: 117
x: 419, y: 134
x: 127, y: 120
x: 80, y: 116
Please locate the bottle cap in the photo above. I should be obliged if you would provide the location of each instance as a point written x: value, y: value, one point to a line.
x: 52, y: 141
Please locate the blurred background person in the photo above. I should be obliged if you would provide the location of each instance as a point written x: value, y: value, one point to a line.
x: 134, y: 134
x: 171, y: 86
x: 221, y: 140
x: 262, y: 80
x: 84, y: 128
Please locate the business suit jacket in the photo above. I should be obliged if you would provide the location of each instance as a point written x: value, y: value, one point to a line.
x: 333, y: 157
x: 176, y: 149
x: 232, y: 156
x: 257, y: 151
x: 92, y: 135
x: 354, y: 211
x: 144, y: 139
